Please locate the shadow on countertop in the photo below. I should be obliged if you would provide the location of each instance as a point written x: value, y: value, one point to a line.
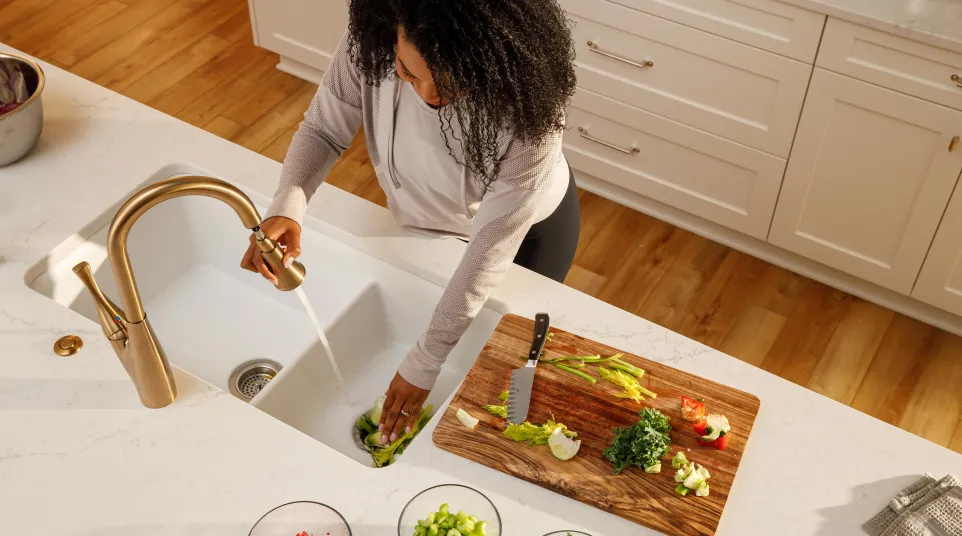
x: 866, y: 501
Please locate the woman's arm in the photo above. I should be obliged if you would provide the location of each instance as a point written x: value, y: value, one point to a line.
x: 504, y: 218
x: 330, y: 124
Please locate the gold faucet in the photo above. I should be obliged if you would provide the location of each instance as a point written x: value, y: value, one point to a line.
x: 127, y: 329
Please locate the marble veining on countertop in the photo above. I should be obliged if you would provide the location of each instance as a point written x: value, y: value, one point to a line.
x: 937, y: 22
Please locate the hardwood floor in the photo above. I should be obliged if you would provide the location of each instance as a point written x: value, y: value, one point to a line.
x: 195, y: 60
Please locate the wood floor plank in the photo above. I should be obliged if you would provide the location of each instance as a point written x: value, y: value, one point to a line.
x: 277, y: 120
x: 596, y: 211
x: 20, y: 11
x: 31, y: 33
x: 235, y: 28
x: 891, y: 378
x: 224, y: 95
x: 934, y: 409
x: 614, y: 242
x: 77, y: 26
x: 724, y: 298
x: 675, y: 294
x: 223, y: 127
x: 645, y: 266
x: 956, y: 443
x: 88, y: 49
x: 754, y: 333
x: 164, y: 76
x: 850, y: 351
x: 213, y: 79
x: 806, y: 334
x: 169, y: 43
x: 779, y: 290
x: 588, y: 282
x: 277, y: 150
x: 275, y: 87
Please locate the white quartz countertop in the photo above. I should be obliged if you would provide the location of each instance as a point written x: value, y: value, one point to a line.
x: 79, y: 455
x: 937, y: 22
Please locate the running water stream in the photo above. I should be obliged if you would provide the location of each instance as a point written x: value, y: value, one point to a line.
x: 320, y: 334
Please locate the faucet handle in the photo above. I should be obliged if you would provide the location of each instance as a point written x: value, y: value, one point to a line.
x: 112, y: 319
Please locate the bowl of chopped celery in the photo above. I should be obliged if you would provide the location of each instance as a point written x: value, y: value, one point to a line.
x: 302, y: 518
x: 450, y: 510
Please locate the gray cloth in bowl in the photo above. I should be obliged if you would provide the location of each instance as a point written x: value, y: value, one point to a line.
x: 929, y: 507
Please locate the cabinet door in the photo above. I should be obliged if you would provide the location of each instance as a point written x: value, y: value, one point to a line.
x: 306, y: 31
x: 940, y: 283
x: 868, y: 180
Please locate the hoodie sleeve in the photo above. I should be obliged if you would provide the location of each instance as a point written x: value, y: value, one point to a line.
x: 330, y: 124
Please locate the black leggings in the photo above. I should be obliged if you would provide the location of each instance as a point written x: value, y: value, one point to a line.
x: 549, y: 247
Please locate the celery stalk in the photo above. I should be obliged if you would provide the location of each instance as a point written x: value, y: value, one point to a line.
x: 576, y: 372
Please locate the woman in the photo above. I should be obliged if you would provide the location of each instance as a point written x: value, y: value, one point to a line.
x: 462, y: 104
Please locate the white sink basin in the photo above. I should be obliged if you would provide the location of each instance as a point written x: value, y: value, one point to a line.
x: 210, y: 316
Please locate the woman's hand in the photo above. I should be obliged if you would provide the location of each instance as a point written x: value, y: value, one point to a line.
x: 402, y: 407
x: 287, y: 233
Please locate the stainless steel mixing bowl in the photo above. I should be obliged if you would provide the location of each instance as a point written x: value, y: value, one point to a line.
x: 20, y: 129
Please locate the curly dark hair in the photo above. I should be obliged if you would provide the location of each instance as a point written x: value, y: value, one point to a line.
x: 503, y: 66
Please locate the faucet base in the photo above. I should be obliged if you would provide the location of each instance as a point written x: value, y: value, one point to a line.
x: 148, y: 367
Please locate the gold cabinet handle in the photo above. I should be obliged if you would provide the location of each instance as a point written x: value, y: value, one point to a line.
x: 957, y: 79
x: 953, y: 144
x: 584, y: 134
x: 592, y: 46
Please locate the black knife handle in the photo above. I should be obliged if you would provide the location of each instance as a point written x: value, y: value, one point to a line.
x: 541, y: 326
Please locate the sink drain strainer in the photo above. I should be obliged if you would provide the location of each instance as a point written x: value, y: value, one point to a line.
x: 248, y: 379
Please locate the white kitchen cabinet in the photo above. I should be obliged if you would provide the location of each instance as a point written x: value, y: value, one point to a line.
x: 304, y: 32
x: 940, y: 283
x: 767, y: 24
x: 869, y: 178
x: 714, y: 84
x: 700, y: 173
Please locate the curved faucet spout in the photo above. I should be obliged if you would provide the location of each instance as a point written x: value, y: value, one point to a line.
x: 128, y: 329
x: 144, y: 200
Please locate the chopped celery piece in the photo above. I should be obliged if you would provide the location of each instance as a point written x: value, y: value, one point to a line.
x: 500, y: 411
x: 587, y: 377
x: 627, y: 369
x: 679, y: 460
x: 681, y: 490
x: 654, y: 468
x: 534, y: 434
x: 503, y: 395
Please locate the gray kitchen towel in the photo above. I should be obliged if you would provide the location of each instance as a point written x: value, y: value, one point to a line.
x: 926, y: 508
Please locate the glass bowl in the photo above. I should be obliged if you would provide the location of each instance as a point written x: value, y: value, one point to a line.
x: 567, y: 533
x: 457, y: 497
x: 294, y: 518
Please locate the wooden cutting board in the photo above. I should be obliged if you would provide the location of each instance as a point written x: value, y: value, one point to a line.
x: 594, y: 412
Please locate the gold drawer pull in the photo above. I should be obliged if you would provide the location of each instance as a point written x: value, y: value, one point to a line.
x: 592, y: 46
x: 957, y: 79
x: 953, y: 144
x: 585, y: 135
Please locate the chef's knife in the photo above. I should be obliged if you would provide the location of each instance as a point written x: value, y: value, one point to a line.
x: 522, y: 379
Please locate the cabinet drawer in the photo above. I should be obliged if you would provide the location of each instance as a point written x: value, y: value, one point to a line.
x: 715, y: 84
x: 708, y: 176
x: 868, y: 180
x: 767, y: 24
x: 904, y: 65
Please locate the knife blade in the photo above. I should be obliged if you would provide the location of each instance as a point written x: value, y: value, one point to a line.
x: 522, y: 379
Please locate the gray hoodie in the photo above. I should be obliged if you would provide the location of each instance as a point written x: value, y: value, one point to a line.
x: 531, y: 184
